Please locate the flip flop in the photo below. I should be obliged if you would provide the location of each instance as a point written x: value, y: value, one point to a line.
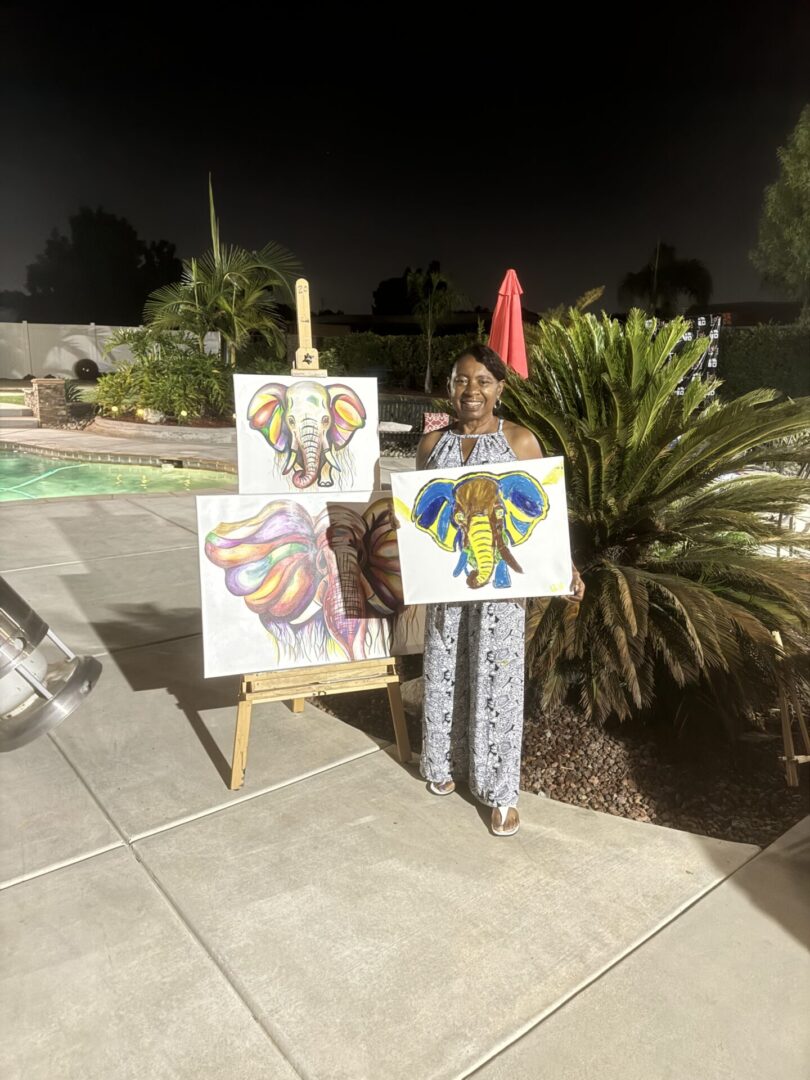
x: 499, y: 828
x: 445, y: 787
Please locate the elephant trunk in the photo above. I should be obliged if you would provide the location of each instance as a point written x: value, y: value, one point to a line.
x: 344, y: 605
x: 350, y: 601
x: 481, y: 543
x: 310, y: 438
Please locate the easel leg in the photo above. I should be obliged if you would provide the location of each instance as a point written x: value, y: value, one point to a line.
x: 297, y: 704
x: 240, y: 744
x: 400, y: 725
x: 791, y: 771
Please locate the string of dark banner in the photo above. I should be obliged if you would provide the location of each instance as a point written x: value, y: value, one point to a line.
x: 697, y: 327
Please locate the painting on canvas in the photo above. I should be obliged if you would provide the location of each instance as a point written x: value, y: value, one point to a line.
x: 313, y: 436
x: 493, y: 532
x: 290, y: 581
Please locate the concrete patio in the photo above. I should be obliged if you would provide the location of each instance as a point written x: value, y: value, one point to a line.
x: 332, y: 919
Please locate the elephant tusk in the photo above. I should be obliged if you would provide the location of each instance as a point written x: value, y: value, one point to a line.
x: 330, y: 457
x: 289, y: 462
x: 509, y: 558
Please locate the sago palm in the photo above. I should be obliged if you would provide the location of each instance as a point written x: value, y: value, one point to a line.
x: 674, y: 522
x: 229, y: 290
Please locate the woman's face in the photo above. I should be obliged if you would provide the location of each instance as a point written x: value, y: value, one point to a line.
x: 474, y: 389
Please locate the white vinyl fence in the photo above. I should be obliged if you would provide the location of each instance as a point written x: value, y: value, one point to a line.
x: 41, y: 349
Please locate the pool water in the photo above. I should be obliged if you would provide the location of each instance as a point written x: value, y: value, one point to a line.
x: 29, y: 476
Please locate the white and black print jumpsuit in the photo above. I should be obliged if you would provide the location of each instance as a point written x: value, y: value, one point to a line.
x: 473, y: 716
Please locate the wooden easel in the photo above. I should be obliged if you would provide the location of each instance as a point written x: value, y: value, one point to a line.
x: 788, y: 697
x: 298, y: 684
x: 316, y: 682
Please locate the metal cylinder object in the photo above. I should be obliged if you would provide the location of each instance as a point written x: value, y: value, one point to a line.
x: 41, y: 680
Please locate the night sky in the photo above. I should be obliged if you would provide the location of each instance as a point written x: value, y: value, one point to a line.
x: 564, y: 148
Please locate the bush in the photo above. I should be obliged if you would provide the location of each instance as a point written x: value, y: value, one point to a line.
x: 258, y: 358
x: 169, y: 373
x: 769, y: 355
x: 398, y: 361
x: 674, y: 524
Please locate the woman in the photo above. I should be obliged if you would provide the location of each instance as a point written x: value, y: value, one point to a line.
x: 473, y: 712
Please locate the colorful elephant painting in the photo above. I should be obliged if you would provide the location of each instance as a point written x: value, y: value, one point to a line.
x: 320, y: 583
x: 481, y: 516
x: 311, y: 423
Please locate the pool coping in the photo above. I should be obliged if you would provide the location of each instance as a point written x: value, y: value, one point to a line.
x: 95, y: 457
x: 111, y: 458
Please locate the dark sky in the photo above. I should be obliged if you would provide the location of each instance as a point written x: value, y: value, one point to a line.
x: 562, y: 147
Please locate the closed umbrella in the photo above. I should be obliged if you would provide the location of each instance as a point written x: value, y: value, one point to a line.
x: 506, y: 335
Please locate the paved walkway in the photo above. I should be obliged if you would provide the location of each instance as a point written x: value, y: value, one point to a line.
x: 333, y: 919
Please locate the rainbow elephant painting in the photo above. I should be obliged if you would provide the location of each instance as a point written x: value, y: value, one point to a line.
x: 505, y: 525
x: 306, y: 435
x: 296, y: 580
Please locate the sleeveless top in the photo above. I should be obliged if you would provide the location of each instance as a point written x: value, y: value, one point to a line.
x: 489, y: 448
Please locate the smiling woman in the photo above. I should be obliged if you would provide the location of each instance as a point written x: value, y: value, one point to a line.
x: 473, y: 719
x: 29, y: 476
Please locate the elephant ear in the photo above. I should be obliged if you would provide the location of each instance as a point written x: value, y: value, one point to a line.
x: 347, y: 411
x: 525, y: 503
x: 266, y: 414
x: 433, y: 513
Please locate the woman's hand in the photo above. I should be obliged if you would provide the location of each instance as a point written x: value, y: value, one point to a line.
x: 577, y: 587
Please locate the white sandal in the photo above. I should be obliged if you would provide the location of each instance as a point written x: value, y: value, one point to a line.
x: 445, y: 787
x: 501, y: 830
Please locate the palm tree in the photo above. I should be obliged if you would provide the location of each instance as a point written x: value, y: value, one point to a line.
x: 674, y: 522
x: 229, y: 290
x: 664, y: 281
x: 433, y: 297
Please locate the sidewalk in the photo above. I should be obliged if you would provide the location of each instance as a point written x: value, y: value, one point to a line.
x: 332, y: 918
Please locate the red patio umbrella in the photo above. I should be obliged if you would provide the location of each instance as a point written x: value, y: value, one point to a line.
x: 506, y: 334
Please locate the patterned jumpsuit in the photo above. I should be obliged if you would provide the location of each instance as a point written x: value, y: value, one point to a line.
x: 473, y: 718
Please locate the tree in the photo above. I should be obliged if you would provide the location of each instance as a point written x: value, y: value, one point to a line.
x: 782, y: 254
x: 663, y: 282
x: 392, y: 296
x: 228, y: 290
x: 101, y: 272
x: 674, y: 524
x: 433, y: 298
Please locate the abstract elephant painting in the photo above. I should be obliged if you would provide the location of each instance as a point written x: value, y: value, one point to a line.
x: 492, y: 532
x: 295, y: 580
x: 312, y: 435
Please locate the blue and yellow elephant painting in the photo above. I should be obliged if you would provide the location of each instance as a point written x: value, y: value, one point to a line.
x: 481, y: 516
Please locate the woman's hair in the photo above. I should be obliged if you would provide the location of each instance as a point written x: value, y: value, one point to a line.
x: 486, y: 356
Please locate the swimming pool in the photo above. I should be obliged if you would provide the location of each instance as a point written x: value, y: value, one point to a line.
x: 29, y: 476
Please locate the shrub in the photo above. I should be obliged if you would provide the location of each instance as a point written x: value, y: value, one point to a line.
x: 674, y: 523
x: 168, y: 373
x: 398, y: 361
x: 769, y: 355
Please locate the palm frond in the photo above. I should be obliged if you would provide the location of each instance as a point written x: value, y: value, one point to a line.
x: 675, y: 531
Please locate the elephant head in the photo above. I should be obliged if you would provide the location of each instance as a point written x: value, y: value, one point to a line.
x: 319, y: 586
x: 310, y: 422
x: 481, y: 515
x: 358, y: 560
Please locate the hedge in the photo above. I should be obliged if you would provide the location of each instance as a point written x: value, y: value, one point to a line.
x: 771, y: 355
